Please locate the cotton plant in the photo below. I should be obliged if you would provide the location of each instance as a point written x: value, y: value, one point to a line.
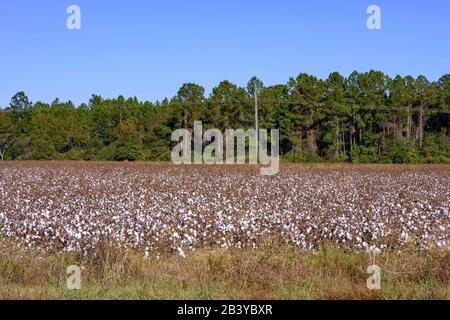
x: 155, y: 208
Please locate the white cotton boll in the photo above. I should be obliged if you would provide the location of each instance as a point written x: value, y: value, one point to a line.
x: 181, y: 253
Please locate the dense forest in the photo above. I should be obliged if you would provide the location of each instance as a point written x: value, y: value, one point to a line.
x: 364, y: 118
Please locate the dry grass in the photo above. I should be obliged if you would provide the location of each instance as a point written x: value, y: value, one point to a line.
x: 271, y: 272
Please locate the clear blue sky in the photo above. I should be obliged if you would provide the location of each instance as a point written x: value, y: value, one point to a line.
x: 149, y: 48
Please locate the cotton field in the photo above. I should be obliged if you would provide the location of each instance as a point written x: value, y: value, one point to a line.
x: 74, y: 207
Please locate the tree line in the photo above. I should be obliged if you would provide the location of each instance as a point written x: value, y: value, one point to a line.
x: 364, y: 118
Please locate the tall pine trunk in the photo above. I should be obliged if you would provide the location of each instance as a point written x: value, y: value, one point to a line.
x: 337, y: 152
x: 421, y: 125
x: 408, y: 123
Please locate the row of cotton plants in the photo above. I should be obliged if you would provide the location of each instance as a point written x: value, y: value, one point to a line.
x: 155, y: 207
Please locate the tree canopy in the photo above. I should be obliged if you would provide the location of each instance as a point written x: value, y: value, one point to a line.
x: 364, y: 118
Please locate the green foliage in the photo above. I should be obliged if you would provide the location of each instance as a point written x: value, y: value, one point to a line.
x: 364, y: 118
x: 43, y: 149
x: 437, y: 148
x: 362, y: 154
x: 128, y: 144
x: 401, y: 150
x: 20, y: 103
x: 6, y: 134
